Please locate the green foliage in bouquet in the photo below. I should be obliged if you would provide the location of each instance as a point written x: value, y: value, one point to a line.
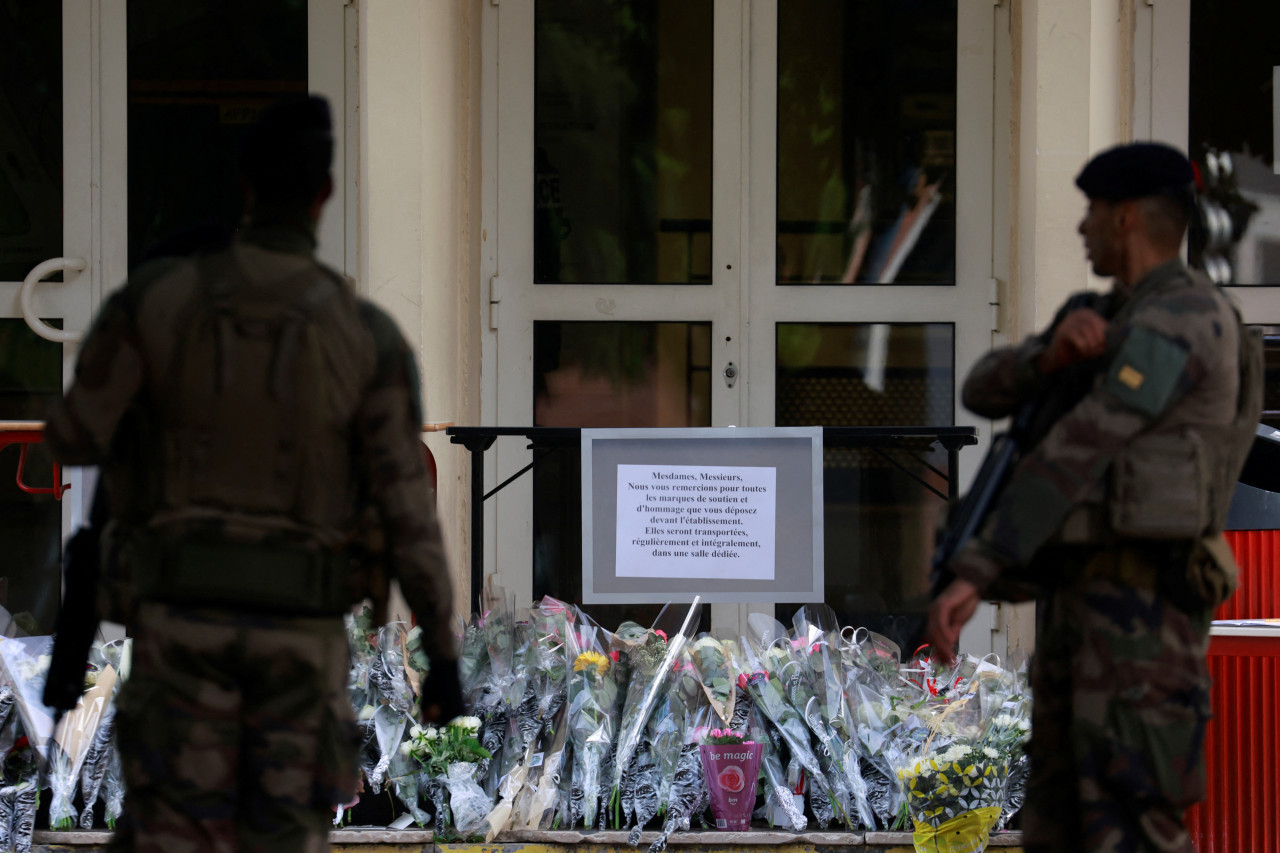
x: 436, y: 748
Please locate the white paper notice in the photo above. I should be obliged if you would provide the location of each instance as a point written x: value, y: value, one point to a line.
x: 689, y: 521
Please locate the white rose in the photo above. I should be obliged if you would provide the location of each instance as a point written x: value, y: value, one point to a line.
x: 415, y: 732
x: 430, y: 733
x: 470, y: 724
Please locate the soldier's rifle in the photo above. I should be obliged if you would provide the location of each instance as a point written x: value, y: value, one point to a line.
x: 1027, y: 427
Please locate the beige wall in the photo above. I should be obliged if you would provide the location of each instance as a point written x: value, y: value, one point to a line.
x: 419, y: 183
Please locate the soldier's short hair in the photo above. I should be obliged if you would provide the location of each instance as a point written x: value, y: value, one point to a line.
x: 285, y: 155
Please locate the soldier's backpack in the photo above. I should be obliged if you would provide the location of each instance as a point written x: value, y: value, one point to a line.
x: 248, y: 427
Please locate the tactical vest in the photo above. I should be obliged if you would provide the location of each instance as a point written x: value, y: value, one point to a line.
x: 257, y: 472
x: 1176, y: 482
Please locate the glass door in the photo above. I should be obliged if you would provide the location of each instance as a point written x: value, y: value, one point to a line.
x: 725, y: 213
x: 118, y: 126
x: 870, y: 295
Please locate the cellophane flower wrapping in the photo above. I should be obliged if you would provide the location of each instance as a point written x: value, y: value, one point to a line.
x: 25, y: 662
x: 956, y: 752
x: 362, y: 637
x: 93, y: 771
x: 650, y: 654
x: 73, y: 740
x: 542, y: 718
x: 877, y: 694
x: 684, y: 793
x: 816, y: 648
x: 594, y: 710
x: 767, y: 670
x: 448, y: 757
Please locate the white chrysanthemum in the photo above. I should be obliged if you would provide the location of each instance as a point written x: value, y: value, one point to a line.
x: 989, y: 752
x: 471, y: 724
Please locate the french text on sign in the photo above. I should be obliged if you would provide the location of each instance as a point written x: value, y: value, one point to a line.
x: 687, y: 521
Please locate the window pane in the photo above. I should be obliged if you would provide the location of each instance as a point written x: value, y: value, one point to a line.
x: 866, y: 141
x: 622, y: 141
x: 616, y: 374
x: 30, y: 135
x: 30, y: 525
x: 199, y: 74
x: 1271, y: 377
x: 880, y: 515
x: 1233, y: 105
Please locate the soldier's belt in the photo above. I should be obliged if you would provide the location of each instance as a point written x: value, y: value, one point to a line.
x: 243, y: 576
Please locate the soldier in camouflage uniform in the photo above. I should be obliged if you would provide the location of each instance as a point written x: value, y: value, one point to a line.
x: 1113, y: 519
x: 246, y: 407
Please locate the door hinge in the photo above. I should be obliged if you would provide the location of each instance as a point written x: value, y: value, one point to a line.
x: 993, y: 299
x: 495, y: 298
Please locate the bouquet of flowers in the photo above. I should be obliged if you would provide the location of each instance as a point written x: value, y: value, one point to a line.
x: 650, y: 657
x: 73, y: 739
x: 530, y: 792
x: 821, y: 683
x: 93, y: 772
x: 767, y: 670
x: 713, y: 662
x: 683, y: 787
x: 780, y: 796
x: 956, y: 790
x: 448, y: 756
x: 593, y: 711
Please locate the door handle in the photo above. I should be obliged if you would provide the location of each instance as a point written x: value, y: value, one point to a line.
x: 38, y: 272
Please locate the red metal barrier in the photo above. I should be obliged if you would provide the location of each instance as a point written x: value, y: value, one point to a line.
x: 1258, y: 596
x: 1242, y: 812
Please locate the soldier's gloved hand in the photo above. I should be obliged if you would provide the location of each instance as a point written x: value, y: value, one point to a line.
x: 441, y: 693
x: 1080, y: 336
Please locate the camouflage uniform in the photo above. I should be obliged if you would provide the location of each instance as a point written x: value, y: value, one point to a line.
x: 235, y: 729
x: 1113, y: 520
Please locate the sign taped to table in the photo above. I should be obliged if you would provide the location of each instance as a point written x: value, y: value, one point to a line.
x: 733, y: 515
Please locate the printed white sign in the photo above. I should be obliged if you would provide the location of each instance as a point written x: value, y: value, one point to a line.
x: 687, y: 521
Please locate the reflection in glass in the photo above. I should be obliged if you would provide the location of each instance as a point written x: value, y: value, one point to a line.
x: 622, y: 141
x: 879, y: 518
x: 199, y: 74
x: 866, y: 141
x: 30, y: 525
x: 1232, y: 108
x: 1271, y: 376
x: 615, y: 374
x: 30, y: 136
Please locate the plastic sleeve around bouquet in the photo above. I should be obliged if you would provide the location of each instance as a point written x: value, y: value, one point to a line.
x: 777, y: 790
x: 468, y: 802
x: 389, y: 726
x: 113, y: 789
x: 94, y: 771
x: 649, y: 676
x: 765, y: 686
x: 688, y: 793
x: 592, y: 721
x: 816, y: 657
x: 25, y: 661
x: 73, y: 739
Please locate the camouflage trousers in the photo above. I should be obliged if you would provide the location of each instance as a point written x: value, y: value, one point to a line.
x: 1121, y: 701
x: 235, y: 732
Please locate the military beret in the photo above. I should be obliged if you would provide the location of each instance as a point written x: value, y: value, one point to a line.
x: 1137, y: 170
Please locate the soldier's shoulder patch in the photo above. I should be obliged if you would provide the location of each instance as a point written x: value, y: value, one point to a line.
x: 1145, y: 372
